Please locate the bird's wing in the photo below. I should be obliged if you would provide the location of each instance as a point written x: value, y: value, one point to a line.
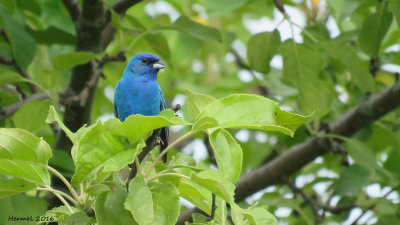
x: 163, y: 104
x: 115, y: 110
x: 116, y: 100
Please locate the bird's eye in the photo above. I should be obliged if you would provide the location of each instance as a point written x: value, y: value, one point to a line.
x: 144, y: 60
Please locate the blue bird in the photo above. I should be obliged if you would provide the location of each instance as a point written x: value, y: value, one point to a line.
x: 138, y: 91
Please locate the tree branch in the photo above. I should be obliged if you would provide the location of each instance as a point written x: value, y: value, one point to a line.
x: 120, y: 57
x: 300, y: 155
x: 11, y: 62
x: 89, y: 26
x: 11, y: 109
x: 73, y: 8
x: 83, y: 96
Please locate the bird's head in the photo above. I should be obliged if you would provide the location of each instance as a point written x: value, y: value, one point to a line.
x: 144, y: 64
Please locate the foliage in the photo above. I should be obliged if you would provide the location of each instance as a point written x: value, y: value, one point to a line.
x: 102, y: 150
x: 59, y: 64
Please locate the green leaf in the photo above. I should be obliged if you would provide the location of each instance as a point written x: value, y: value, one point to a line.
x: 36, y: 109
x: 138, y: 126
x: 302, y: 69
x: 62, y: 160
x: 165, y: 202
x: 351, y: 179
x: 182, y: 160
x: 365, y: 157
x: 204, y: 123
x: 21, y: 206
x: 373, y: 31
x: 216, y: 183
x: 52, y: 35
x: 228, y: 154
x: 78, y: 218
x: 196, y: 194
x: 14, y: 186
x: 194, y: 29
x: 109, y: 207
x: 65, y: 61
x: 96, y: 189
x: 9, y: 76
x: 196, y: 102
x: 21, y: 154
x: 361, y: 153
x: 159, y: 43
x: 252, y: 111
x: 199, y: 218
x: 257, y: 216
x: 394, y: 7
x: 392, y: 163
x: 219, y: 8
x: 276, y: 199
x: 358, y: 69
x: 140, y: 202
x: 261, y: 48
x: 23, y: 47
x: 53, y: 117
x: 99, y: 152
x: 60, y: 213
x: 31, y: 6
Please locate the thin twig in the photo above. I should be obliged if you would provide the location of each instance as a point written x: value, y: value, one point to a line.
x: 11, y: 109
x: 311, y: 202
x: 279, y: 5
x: 120, y: 57
x: 240, y: 62
x: 11, y: 62
x: 83, y: 96
x: 315, y: 206
x: 373, y: 206
x: 62, y: 178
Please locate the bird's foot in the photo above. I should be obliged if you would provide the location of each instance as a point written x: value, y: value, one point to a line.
x: 177, y: 107
x: 158, y: 141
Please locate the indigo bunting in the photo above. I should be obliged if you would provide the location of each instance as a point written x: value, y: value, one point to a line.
x: 138, y: 91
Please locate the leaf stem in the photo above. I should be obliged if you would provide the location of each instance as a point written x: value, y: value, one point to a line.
x: 168, y: 174
x: 62, y: 178
x: 169, y: 148
x: 223, y: 212
x: 48, y: 188
x: 63, y: 201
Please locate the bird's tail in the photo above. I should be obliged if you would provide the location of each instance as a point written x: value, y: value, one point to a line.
x: 164, y: 134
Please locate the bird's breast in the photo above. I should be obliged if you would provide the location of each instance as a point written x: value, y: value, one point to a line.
x: 138, y: 97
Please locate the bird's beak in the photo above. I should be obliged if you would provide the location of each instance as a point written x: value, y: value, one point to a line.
x: 159, y: 65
